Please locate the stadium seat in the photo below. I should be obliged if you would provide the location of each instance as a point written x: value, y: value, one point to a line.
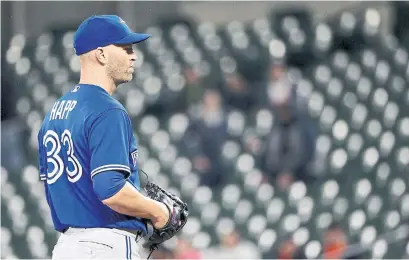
x: 256, y: 225
x: 297, y: 191
x: 7, y: 251
x: 313, y: 249
x: 267, y: 240
x: 181, y: 168
x: 275, y: 210
x: 190, y: 185
x: 379, y: 248
x: 252, y: 181
x: 357, y: 220
x: 403, y: 209
x: 329, y: 191
x: 340, y: 207
x: 242, y: 211
x: 201, y: 241
x: 230, y: 196
x: 193, y: 226
x: 148, y: 125
x: 264, y: 195
x: 202, y: 196
x: 373, y: 206
x: 168, y: 156
x: 224, y: 226
x: 210, y: 213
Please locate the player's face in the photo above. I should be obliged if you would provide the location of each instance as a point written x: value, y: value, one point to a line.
x: 121, y: 63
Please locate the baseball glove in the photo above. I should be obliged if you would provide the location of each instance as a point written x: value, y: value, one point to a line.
x: 178, y: 214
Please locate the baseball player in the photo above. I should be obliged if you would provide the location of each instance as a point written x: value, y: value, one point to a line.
x: 88, y: 156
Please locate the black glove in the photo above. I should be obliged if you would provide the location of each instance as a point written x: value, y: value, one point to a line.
x: 178, y: 214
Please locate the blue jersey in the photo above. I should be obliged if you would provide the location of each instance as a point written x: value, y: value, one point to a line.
x: 86, y: 133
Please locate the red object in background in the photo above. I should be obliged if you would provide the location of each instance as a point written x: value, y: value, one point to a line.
x: 286, y: 250
x: 335, y: 243
x: 335, y: 250
x: 193, y: 254
x: 184, y: 250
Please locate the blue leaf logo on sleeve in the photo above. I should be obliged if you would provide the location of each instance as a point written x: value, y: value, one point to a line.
x: 134, y: 155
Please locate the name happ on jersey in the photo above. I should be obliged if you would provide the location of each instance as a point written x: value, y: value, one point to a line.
x: 62, y: 109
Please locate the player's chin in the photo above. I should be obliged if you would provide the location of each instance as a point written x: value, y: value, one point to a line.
x: 128, y: 77
x: 123, y: 80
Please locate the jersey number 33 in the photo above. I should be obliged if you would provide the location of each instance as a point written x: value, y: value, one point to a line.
x: 54, y: 156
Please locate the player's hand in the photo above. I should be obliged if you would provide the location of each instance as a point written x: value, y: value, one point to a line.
x: 162, y: 218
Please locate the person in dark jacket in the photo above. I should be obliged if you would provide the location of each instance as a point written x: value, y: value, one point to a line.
x: 291, y: 143
x: 236, y: 91
x: 204, y: 138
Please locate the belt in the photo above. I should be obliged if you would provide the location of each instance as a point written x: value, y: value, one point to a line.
x: 137, y: 233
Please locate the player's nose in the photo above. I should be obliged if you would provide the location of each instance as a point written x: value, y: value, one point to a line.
x: 133, y: 56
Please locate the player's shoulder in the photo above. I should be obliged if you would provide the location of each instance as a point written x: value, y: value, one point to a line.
x: 101, y: 106
x: 106, y: 104
x: 95, y: 99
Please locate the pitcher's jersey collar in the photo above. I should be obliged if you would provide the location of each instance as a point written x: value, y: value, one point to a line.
x: 92, y: 87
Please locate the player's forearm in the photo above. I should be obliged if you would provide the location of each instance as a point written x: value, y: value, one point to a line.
x: 131, y: 202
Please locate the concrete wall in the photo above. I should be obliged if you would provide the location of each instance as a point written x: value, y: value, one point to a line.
x: 32, y: 18
x: 224, y: 11
x: 6, y: 31
x: 40, y: 16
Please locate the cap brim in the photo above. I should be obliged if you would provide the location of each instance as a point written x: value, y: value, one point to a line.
x: 133, y: 38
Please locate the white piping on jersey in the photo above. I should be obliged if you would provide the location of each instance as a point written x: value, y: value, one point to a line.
x: 110, y: 167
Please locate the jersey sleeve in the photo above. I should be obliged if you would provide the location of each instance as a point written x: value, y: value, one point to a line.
x: 109, y: 143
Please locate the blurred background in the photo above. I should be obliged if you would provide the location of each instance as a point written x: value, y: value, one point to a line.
x: 285, y: 126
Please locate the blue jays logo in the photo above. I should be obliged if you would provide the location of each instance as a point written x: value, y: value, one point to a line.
x: 76, y: 89
x: 134, y: 155
x: 120, y: 20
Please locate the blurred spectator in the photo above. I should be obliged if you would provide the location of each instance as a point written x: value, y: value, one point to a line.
x: 184, y: 250
x: 185, y: 100
x: 8, y: 97
x: 291, y: 144
x: 286, y: 250
x: 236, y: 91
x: 233, y: 247
x: 252, y: 143
x: 204, y: 137
x: 335, y: 242
x: 277, y: 86
x: 194, y: 88
x: 400, y: 10
x: 14, y: 140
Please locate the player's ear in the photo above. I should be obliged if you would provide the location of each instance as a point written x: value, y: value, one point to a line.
x: 101, y: 55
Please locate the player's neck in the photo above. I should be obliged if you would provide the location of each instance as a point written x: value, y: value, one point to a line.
x: 104, y: 82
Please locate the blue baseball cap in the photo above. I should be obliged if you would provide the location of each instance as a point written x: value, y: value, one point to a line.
x: 103, y: 30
